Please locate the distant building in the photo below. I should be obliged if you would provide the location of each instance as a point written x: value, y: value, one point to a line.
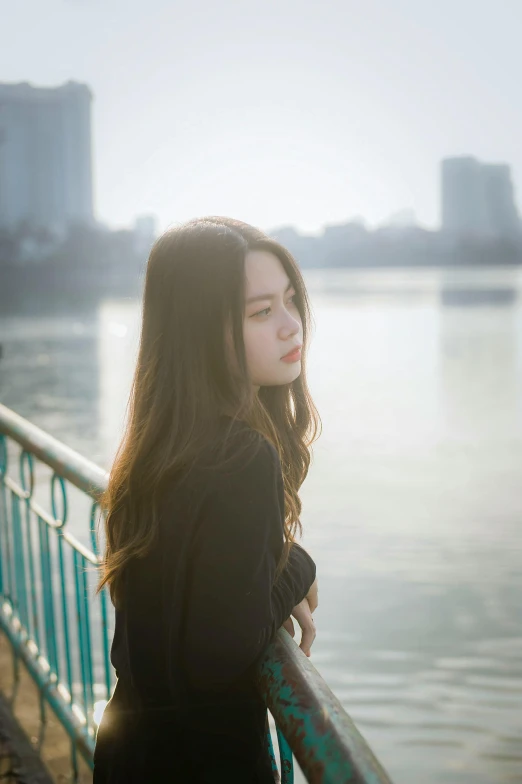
x: 477, y: 198
x: 45, y: 155
x: 462, y: 198
x: 351, y: 231
x: 145, y: 232
x: 303, y: 248
x: 499, y: 197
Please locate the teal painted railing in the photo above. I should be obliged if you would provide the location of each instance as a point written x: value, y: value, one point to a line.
x: 61, y: 631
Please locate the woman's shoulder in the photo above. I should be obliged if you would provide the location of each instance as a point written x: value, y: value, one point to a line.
x: 245, y: 473
x: 242, y: 467
x: 234, y: 453
x: 241, y: 447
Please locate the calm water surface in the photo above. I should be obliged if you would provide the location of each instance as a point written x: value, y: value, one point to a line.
x: 412, y: 508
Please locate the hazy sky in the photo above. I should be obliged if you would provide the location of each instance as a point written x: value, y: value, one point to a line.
x: 278, y: 112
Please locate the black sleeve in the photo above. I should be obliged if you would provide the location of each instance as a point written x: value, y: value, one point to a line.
x: 234, y: 610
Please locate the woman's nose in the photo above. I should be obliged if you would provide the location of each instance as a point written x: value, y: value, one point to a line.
x: 292, y: 328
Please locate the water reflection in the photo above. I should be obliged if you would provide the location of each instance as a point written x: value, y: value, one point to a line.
x: 412, y: 506
x: 473, y: 297
x: 118, y: 331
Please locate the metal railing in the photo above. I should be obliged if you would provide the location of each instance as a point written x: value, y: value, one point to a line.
x: 61, y: 631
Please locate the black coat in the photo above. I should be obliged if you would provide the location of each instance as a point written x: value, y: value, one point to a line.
x: 198, y: 614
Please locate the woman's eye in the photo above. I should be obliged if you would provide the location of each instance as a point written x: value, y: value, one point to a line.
x: 267, y: 310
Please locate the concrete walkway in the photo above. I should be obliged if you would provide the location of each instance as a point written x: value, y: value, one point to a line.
x: 18, y: 760
x: 47, y: 758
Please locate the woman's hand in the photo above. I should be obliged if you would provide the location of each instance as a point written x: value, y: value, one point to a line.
x: 303, y: 615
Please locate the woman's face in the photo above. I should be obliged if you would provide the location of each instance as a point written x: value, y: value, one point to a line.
x: 272, y: 325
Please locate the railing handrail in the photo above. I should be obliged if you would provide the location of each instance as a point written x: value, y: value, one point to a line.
x: 68, y: 463
x: 320, y: 733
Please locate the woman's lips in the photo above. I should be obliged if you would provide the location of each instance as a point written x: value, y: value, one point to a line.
x: 293, y: 357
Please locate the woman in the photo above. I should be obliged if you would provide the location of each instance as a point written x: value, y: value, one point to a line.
x: 202, y: 507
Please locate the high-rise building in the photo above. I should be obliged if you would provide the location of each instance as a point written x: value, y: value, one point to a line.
x: 478, y: 198
x: 499, y: 197
x: 145, y: 232
x: 45, y: 155
x: 462, y: 198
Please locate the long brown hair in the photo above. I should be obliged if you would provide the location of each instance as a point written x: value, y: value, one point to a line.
x: 183, y: 382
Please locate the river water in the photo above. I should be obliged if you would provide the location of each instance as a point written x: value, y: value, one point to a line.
x: 412, y: 508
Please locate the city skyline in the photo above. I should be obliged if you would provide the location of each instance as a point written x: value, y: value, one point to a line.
x: 46, y: 173
x: 332, y: 114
